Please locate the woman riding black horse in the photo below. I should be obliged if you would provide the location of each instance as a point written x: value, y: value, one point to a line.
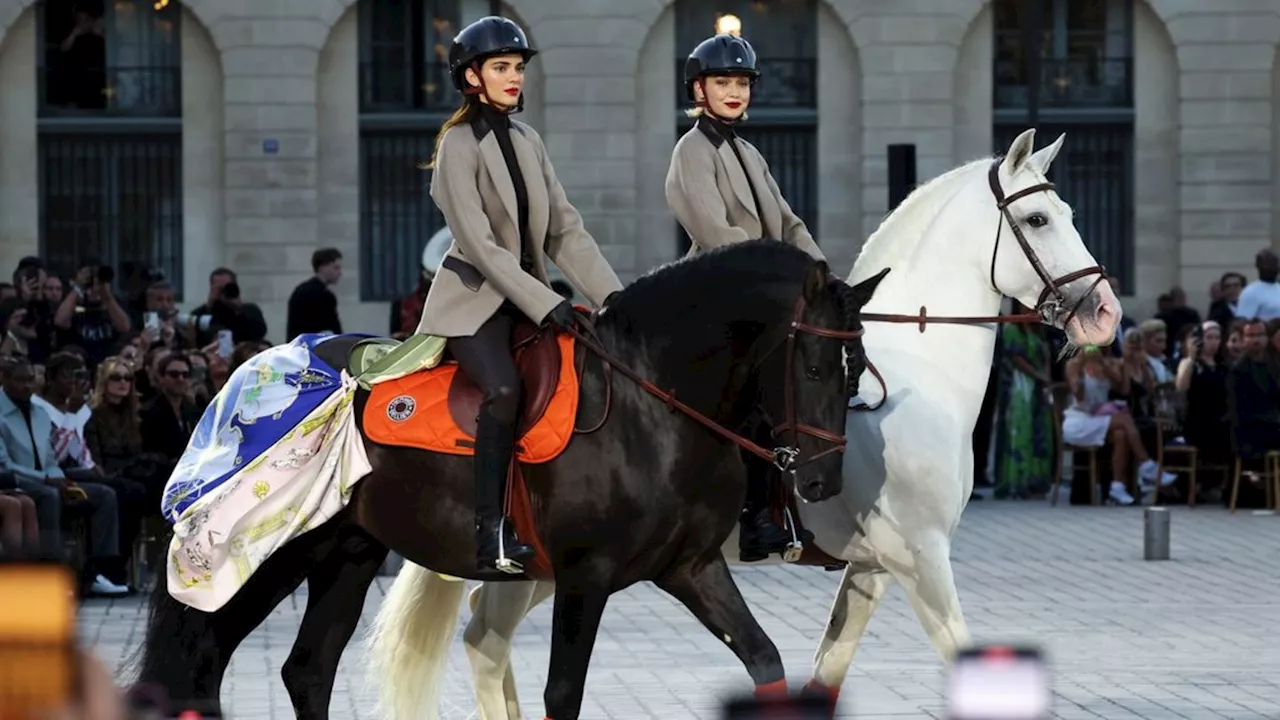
x: 709, y: 169
x: 507, y: 211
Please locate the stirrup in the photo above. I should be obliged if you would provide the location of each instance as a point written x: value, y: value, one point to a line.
x: 795, y: 548
x: 504, y: 563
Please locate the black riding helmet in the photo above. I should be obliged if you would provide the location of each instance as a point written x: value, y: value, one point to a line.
x: 482, y: 39
x: 720, y: 55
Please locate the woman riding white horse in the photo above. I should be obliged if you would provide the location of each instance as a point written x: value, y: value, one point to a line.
x: 720, y: 189
x: 909, y: 466
x: 507, y: 211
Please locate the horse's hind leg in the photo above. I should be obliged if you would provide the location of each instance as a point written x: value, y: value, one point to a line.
x: 856, y: 600
x: 336, y: 590
x: 707, y: 589
x: 496, y: 611
x: 931, y: 587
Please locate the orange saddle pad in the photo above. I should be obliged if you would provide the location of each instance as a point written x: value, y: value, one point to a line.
x: 414, y: 411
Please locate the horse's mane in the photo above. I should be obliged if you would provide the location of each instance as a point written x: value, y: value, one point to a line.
x: 893, y: 243
x: 666, y: 294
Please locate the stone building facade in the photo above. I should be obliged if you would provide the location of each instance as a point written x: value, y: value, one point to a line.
x: 281, y: 147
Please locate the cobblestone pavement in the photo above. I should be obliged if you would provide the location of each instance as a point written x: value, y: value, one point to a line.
x: 1192, y: 638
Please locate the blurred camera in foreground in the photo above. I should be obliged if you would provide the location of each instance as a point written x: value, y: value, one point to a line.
x: 998, y: 682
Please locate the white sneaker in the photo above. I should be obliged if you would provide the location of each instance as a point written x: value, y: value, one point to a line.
x: 1120, y: 494
x: 102, y: 586
x: 1147, y: 473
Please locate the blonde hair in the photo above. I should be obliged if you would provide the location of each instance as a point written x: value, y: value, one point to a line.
x: 1154, y: 325
x: 698, y: 111
x: 115, y: 363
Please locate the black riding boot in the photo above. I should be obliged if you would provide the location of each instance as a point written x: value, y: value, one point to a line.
x: 495, y: 443
x: 758, y: 535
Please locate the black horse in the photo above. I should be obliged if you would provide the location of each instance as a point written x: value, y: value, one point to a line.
x: 651, y: 495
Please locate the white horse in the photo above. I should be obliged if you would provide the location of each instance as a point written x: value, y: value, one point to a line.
x: 909, y: 464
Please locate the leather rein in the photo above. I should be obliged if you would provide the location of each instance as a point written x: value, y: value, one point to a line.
x: 785, y: 457
x: 1050, y: 307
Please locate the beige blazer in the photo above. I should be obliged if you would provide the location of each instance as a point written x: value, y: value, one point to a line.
x: 472, y: 188
x: 709, y: 195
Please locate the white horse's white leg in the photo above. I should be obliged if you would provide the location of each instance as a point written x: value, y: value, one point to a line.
x: 497, y: 609
x: 931, y: 587
x: 856, y: 599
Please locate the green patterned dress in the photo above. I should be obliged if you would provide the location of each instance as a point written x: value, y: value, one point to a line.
x: 1024, y: 433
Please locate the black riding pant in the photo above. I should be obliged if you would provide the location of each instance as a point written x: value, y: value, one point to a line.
x: 486, y: 358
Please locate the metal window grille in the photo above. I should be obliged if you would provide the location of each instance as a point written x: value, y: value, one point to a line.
x: 114, y: 198
x: 128, y: 66
x: 397, y: 216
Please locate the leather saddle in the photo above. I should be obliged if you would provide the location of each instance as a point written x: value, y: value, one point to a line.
x: 537, y: 356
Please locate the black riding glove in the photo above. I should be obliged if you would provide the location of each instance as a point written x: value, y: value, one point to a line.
x: 562, y: 316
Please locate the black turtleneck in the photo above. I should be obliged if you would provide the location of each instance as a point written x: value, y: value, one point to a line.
x: 719, y: 131
x: 500, y: 124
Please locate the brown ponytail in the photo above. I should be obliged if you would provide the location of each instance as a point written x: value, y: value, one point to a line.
x: 460, y: 116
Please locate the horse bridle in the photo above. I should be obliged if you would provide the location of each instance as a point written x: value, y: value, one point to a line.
x: 786, y: 457
x: 1050, y: 305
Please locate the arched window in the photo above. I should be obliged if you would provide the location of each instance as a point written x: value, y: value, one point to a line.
x: 110, y: 134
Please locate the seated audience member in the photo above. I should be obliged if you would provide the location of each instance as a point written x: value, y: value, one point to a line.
x: 1202, y: 382
x: 1253, y: 400
x: 199, y: 392
x: 31, y: 281
x: 244, y: 352
x: 1223, y: 309
x: 114, y: 438
x: 26, y: 451
x: 219, y: 371
x: 1139, y: 389
x: 1176, y: 316
x: 19, y: 529
x: 147, y: 382
x: 1156, y: 337
x: 19, y: 331
x: 63, y: 399
x: 1233, y: 348
x: 170, y: 418
x: 1094, y: 420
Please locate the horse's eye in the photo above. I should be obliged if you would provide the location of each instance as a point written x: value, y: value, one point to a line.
x: 812, y: 372
x: 1037, y: 220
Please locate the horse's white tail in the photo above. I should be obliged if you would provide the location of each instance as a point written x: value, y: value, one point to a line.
x: 409, y: 642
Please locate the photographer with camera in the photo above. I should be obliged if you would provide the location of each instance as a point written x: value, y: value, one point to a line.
x: 90, y: 316
x: 37, y: 322
x: 224, y: 309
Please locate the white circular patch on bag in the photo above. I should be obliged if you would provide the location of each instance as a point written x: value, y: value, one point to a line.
x: 401, y: 408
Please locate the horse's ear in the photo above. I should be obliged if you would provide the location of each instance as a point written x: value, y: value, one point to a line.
x: 862, y: 293
x: 1042, y: 158
x: 1019, y: 152
x: 815, y: 282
